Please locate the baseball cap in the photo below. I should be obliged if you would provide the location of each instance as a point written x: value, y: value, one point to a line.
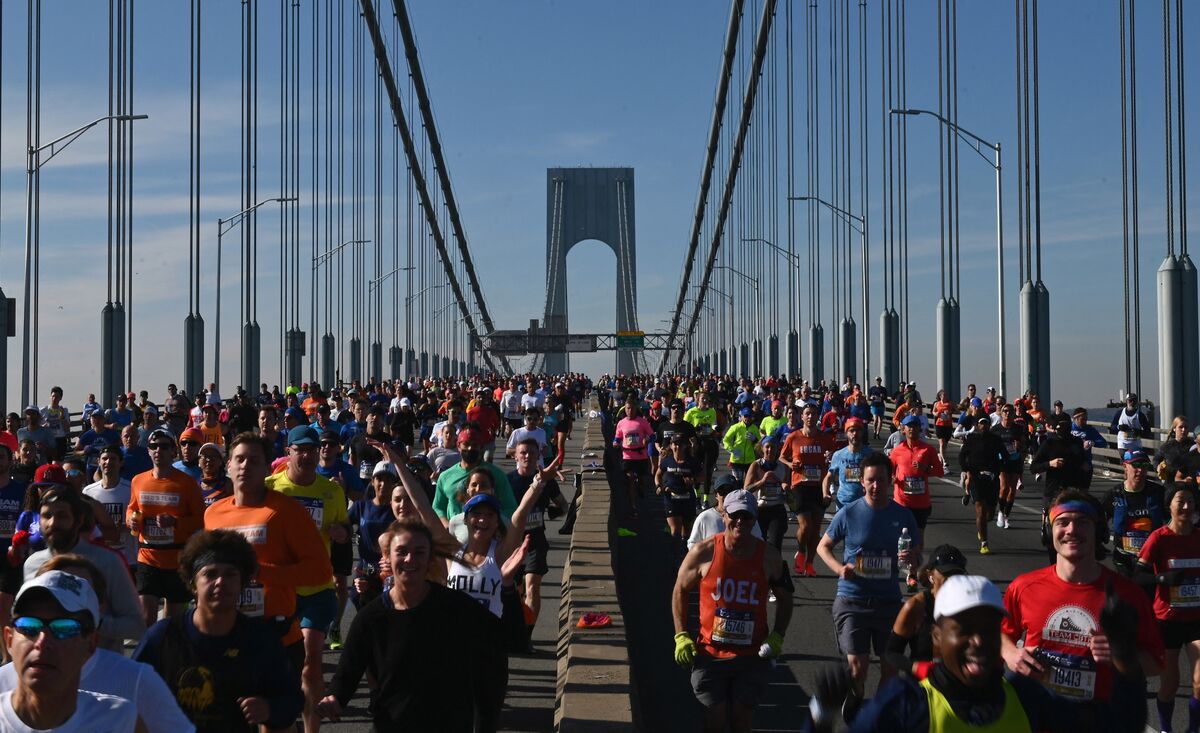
x: 329, y: 436
x: 656, y: 405
x: 160, y: 434
x: 71, y: 592
x: 302, y: 435
x: 741, y: 500
x: 1136, y: 456
x: 745, y: 412
x: 948, y: 559
x: 854, y: 422
x: 385, y: 467
x: 964, y: 592
x: 32, y: 408
x: 295, y: 412
x: 911, y: 420
x: 419, y: 461
x: 482, y: 500
x: 976, y: 402
x: 726, y: 484
x: 470, y: 435
x: 191, y: 435
x: 220, y: 451
x: 49, y: 474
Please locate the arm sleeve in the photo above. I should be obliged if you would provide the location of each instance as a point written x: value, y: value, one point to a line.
x: 352, y: 663
x: 897, y: 652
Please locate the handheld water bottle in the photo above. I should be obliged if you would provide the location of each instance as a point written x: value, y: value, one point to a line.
x: 904, y: 544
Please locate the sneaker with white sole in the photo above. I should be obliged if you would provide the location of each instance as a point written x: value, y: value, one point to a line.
x: 1000, y: 520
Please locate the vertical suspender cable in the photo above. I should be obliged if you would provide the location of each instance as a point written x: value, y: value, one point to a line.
x: 1125, y: 145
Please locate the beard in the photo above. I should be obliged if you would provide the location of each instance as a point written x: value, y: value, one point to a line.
x: 62, y: 540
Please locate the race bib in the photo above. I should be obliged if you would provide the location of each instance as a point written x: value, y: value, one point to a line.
x: 873, y: 565
x: 536, y: 519
x: 812, y: 473
x: 7, y: 527
x: 705, y: 429
x: 1070, y: 675
x: 732, y: 627
x: 315, y: 508
x: 1131, y: 542
x: 914, y: 486
x: 152, y: 534
x: 252, y: 601
x: 1186, y: 595
x: 852, y: 473
x: 771, y: 491
x: 633, y: 441
x: 1011, y: 447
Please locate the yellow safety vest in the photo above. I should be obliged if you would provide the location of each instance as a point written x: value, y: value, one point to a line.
x: 943, y: 720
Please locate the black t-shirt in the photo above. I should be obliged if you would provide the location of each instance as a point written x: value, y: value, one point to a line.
x: 674, y: 472
x: 536, y: 522
x: 242, y: 418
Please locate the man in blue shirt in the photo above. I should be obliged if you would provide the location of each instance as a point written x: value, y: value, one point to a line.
x: 845, y: 466
x: 868, y: 590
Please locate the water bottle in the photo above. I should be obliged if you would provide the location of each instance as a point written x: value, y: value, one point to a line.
x: 903, y: 545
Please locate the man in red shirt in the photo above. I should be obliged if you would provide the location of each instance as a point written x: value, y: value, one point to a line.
x: 914, y: 462
x: 1057, y: 609
x: 486, y: 416
x: 806, y: 452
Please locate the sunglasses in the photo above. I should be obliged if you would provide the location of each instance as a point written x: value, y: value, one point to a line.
x: 60, y: 628
x: 162, y: 446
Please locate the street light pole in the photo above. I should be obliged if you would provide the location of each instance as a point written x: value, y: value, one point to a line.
x: 977, y: 143
x: 31, y: 323
x: 223, y: 227
x: 866, y: 293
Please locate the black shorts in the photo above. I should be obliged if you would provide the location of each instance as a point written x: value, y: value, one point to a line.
x: 11, y: 579
x: 809, y: 500
x: 1014, y: 468
x: 680, y: 506
x: 944, y: 432
x: 921, y: 515
x: 1177, y: 633
x: 536, y: 557
x: 636, y: 466
x: 984, y: 489
x: 165, y: 584
x: 341, y: 556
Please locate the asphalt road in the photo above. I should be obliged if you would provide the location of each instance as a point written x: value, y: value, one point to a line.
x: 647, y: 562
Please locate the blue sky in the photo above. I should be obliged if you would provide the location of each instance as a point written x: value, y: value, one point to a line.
x: 519, y: 87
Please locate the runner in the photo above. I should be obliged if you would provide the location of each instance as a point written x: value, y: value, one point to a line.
x: 528, y: 459
x: 910, y: 646
x: 632, y: 436
x: 1091, y: 438
x: 1015, y: 440
x: 675, y: 481
x: 943, y: 414
x: 1135, y: 509
x: 877, y: 396
x: 914, y: 462
x: 981, y: 460
x: 843, y: 482
x: 1130, y: 425
x: 1057, y: 609
x: 113, y: 492
x: 806, y: 452
x: 1169, y: 564
x: 740, y: 440
x: 703, y: 417
x: 868, y: 596
x: 734, y: 571
x: 768, y: 480
x: 165, y: 509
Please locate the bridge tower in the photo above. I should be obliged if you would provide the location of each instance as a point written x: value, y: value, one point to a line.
x: 589, y: 203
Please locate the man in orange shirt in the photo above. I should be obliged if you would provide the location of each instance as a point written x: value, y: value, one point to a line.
x: 806, y: 453
x: 165, y: 508
x: 289, y: 548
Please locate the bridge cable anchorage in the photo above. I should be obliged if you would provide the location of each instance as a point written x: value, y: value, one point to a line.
x: 435, y: 147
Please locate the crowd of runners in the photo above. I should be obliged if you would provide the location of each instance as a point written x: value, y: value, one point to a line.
x: 184, y: 563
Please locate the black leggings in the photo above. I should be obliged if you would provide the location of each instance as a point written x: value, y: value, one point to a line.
x: 773, y: 523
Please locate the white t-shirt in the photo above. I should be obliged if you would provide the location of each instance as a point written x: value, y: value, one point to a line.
x: 531, y: 400
x: 709, y: 523
x: 521, y: 434
x: 114, y: 501
x: 94, y: 713
x: 109, y: 673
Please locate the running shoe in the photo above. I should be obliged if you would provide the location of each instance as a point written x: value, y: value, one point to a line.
x: 966, y: 500
x: 1000, y: 520
x: 771, y: 597
x: 335, y: 638
x: 984, y: 549
x: 1006, y: 525
x: 798, y: 565
x: 810, y: 571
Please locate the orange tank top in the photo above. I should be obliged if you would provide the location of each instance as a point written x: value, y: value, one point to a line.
x: 733, y: 603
